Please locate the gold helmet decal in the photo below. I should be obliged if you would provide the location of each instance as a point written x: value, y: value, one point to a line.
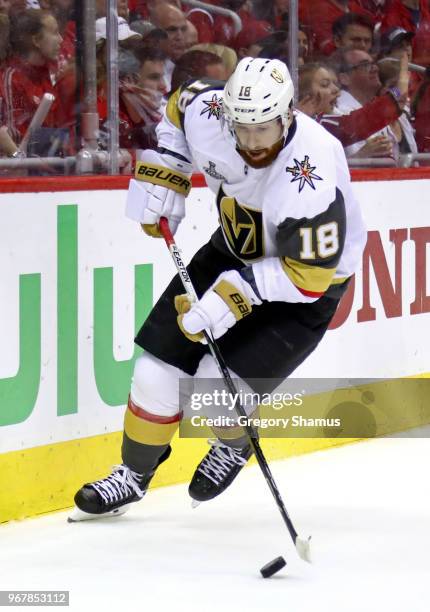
x: 277, y: 76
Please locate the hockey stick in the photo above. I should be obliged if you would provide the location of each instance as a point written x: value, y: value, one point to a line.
x: 302, y: 545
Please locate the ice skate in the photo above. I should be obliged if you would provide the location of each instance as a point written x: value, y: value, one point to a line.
x: 217, y: 471
x: 110, y: 496
x: 113, y: 495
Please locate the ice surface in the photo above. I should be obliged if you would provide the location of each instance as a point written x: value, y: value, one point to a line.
x: 367, y: 506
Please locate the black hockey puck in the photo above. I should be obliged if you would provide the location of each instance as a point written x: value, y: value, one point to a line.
x: 272, y: 567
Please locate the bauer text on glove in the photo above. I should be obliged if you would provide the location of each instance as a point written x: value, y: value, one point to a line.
x: 229, y: 300
x: 157, y: 191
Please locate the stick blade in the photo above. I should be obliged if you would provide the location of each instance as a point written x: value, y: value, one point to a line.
x: 303, y: 548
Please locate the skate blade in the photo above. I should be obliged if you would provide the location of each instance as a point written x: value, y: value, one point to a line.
x: 78, y: 515
x: 195, y: 503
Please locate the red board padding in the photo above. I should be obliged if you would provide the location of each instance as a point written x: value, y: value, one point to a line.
x: 91, y: 183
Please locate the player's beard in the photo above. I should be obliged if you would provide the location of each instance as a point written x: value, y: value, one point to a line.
x: 270, y: 154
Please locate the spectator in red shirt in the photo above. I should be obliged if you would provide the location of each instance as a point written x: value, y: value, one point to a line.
x: 320, y: 15
x: 62, y: 11
x: 37, y: 42
x: 412, y: 16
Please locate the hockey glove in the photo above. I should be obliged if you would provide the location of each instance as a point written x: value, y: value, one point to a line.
x: 157, y: 191
x: 229, y: 299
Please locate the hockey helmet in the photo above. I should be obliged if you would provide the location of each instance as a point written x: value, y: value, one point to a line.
x: 259, y: 91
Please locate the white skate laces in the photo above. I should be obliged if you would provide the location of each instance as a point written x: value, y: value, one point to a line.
x: 119, y: 485
x: 219, y: 461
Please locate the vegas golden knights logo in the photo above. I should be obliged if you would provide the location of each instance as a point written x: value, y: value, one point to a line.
x: 242, y: 227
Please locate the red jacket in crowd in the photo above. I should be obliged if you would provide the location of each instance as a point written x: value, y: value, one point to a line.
x: 23, y: 87
x: 363, y: 122
x: 398, y: 15
x: 319, y: 16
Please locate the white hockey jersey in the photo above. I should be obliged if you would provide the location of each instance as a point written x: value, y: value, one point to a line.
x: 296, y: 222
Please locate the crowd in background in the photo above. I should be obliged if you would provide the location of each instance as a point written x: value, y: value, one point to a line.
x: 355, y: 74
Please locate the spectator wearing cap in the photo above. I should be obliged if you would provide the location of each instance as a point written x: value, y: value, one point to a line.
x: 172, y: 20
x: 359, y: 78
x: 248, y: 42
x: 319, y: 18
x: 353, y: 31
x: 412, y: 16
x: 394, y: 43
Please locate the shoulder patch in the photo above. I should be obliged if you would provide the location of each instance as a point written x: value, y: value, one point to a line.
x: 212, y: 107
x: 303, y: 173
x: 185, y: 95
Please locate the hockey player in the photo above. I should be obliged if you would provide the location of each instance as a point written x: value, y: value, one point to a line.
x: 269, y: 280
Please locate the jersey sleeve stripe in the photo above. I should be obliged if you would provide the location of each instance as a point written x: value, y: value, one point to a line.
x: 306, y: 278
x: 172, y: 111
x: 312, y: 294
